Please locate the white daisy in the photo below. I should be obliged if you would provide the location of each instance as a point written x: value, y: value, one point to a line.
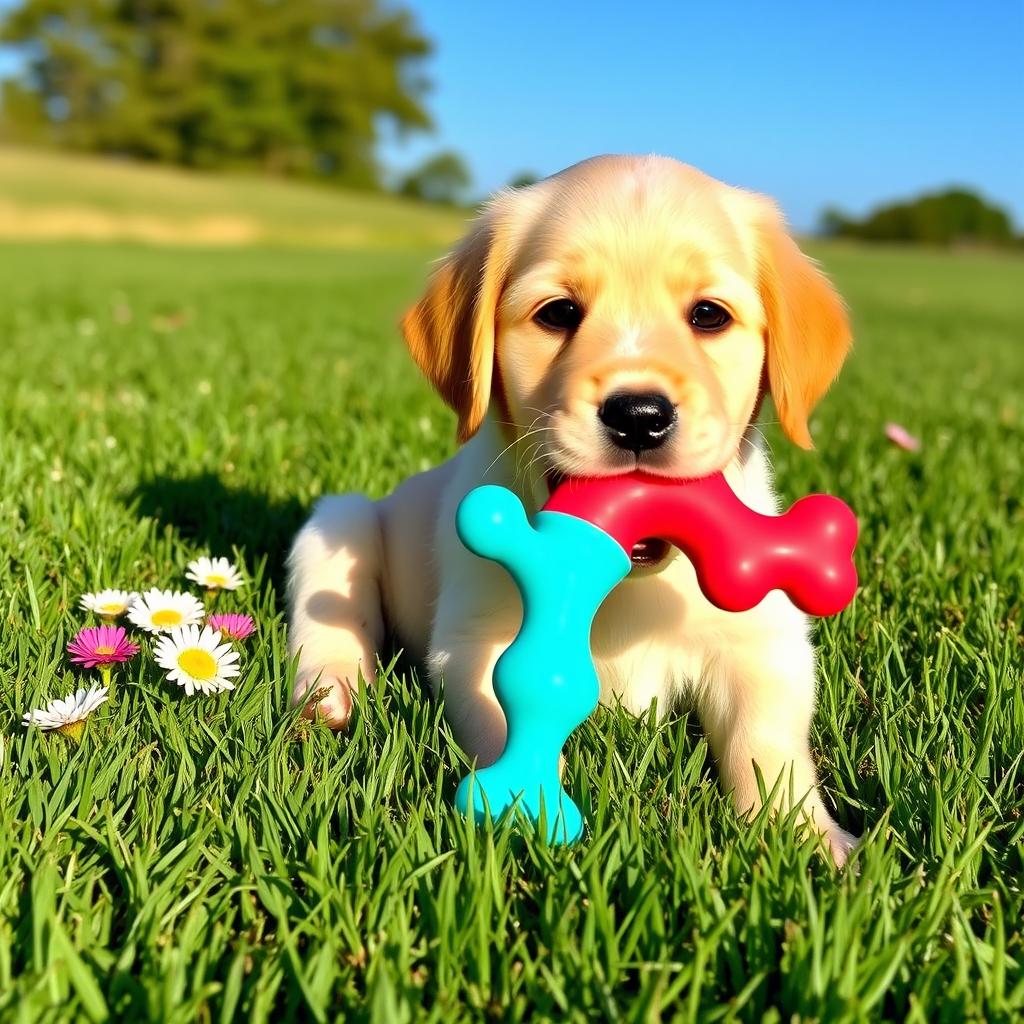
x: 160, y: 611
x: 67, y: 716
x: 215, y: 574
x: 107, y: 604
x: 197, y: 660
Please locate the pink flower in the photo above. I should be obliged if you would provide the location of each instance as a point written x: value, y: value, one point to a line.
x: 902, y: 438
x: 101, y: 645
x: 232, y: 626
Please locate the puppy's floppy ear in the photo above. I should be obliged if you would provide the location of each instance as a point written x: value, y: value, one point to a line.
x: 807, y: 334
x: 450, y: 331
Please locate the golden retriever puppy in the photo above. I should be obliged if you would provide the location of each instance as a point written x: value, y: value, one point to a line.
x: 627, y: 312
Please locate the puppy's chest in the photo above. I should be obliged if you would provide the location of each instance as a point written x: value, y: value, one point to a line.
x: 651, y: 636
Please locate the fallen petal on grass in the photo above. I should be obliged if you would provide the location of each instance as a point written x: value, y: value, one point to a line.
x: 902, y: 438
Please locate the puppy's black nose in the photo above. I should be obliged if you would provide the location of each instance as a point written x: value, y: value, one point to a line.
x: 637, y: 422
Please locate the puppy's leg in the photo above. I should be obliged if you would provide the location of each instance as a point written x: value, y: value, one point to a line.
x: 336, y: 622
x: 466, y: 667
x: 756, y: 703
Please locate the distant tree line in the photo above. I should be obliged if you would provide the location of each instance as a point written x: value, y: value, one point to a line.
x: 293, y: 87
x: 445, y: 178
x: 953, y: 217
x: 442, y: 178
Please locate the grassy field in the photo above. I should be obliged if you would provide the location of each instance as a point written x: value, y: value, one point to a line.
x: 46, y: 195
x: 205, y: 859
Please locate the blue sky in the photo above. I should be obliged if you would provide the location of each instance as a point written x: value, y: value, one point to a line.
x: 814, y: 103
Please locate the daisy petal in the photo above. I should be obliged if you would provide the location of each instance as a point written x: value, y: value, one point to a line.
x: 160, y: 611
x: 64, y: 715
x: 215, y: 574
x: 195, y: 659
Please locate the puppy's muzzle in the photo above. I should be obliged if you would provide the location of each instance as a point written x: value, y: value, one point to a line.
x: 638, y: 422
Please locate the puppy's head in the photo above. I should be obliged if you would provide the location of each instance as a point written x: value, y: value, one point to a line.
x: 629, y: 312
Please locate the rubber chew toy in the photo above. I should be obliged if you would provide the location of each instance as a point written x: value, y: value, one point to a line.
x: 569, y: 559
x: 739, y: 554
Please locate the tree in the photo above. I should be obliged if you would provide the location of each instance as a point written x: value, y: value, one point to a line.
x: 833, y: 223
x: 443, y: 178
x: 942, y: 218
x: 289, y: 86
x: 524, y: 179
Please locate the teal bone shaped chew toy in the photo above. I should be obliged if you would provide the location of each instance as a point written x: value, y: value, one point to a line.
x: 545, y: 680
x: 567, y: 562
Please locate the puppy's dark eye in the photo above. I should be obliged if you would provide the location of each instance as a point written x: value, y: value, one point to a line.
x: 559, y: 315
x: 709, y: 316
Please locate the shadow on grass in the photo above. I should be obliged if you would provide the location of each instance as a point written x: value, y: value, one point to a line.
x: 204, y: 509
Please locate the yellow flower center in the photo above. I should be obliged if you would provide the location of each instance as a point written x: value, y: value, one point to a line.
x: 111, y: 609
x: 216, y: 581
x: 197, y: 663
x: 73, y: 730
x: 167, y: 617
x: 104, y: 649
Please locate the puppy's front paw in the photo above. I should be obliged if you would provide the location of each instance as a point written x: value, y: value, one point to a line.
x: 325, y: 697
x: 840, y: 842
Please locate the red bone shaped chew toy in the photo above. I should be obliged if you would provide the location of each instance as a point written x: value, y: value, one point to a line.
x: 739, y: 555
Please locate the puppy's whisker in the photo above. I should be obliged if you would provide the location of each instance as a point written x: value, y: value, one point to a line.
x: 536, y: 455
x: 750, y: 444
x: 568, y: 462
x: 541, y: 458
x: 508, y: 447
x: 525, y: 454
x: 531, y: 454
x: 515, y: 426
x: 764, y: 440
x: 541, y: 413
